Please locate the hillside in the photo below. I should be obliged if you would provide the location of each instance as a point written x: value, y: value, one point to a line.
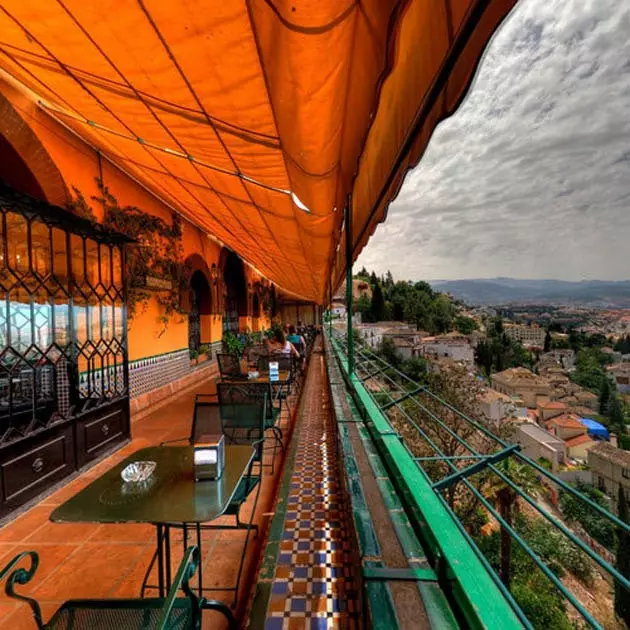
x: 513, y: 290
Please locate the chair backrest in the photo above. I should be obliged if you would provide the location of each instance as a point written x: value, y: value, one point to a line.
x: 206, y: 417
x: 243, y: 409
x: 286, y: 362
x: 255, y: 353
x: 229, y: 365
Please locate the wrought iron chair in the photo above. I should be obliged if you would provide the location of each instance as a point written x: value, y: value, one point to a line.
x: 206, y: 420
x: 286, y: 363
x: 172, y: 612
x: 229, y: 366
x: 238, y: 401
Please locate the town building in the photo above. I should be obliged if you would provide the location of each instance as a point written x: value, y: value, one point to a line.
x: 574, y: 432
x: 453, y: 346
x: 610, y: 468
x: 565, y: 357
x: 531, y: 336
x: 522, y: 383
x: 496, y: 407
x: 550, y: 408
x: 537, y: 443
x: 620, y: 374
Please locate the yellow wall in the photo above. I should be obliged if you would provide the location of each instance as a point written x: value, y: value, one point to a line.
x: 79, y: 166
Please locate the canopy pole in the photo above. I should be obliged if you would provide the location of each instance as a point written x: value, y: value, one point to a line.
x: 330, y: 308
x: 349, y: 287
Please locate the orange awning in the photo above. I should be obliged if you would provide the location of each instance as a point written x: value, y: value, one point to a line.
x: 256, y: 119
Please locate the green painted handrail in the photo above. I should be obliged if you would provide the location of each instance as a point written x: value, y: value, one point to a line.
x: 460, y: 572
x: 457, y: 475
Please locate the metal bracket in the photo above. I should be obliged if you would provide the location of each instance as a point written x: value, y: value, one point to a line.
x: 447, y: 482
x: 391, y: 403
x: 410, y: 574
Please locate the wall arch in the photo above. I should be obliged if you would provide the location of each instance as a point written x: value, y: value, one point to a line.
x: 24, y: 162
x: 235, y: 286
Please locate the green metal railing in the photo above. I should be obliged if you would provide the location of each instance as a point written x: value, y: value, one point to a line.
x: 381, y: 390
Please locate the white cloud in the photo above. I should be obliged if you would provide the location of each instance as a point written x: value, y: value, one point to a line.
x: 531, y: 177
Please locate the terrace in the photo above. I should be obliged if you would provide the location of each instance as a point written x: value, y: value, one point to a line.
x: 168, y: 198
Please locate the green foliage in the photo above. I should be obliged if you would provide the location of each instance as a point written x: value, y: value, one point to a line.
x: 589, y: 368
x: 622, y: 596
x: 499, y: 353
x: 378, y: 303
x: 593, y: 523
x: 443, y: 312
x: 541, y: 602
x: 157, y: 252
x: 465, y: 325
x: 237, y: 345
x: 80, y: 206
x: 616, y: 414
x: 533, y: 591
x: 388, y: 351
x: 417, y: 309
x: 555, y: 549
x: 363, y: 274
x: 604, y: 396
x: 547, y: 346
x: 623, y: 345
x: 364, y: 307
x: 415, y: 368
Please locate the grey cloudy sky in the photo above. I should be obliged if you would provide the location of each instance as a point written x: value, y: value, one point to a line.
x: 531, y: 176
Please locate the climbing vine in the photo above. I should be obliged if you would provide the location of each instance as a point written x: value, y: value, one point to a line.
x: 154, y: 263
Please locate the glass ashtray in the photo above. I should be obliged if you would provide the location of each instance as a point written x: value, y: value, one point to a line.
x: 138, y: 471
x: 253, y: 374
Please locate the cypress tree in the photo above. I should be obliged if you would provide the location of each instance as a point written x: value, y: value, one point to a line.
x: 547, y: 341
x: 378, y: 304
x: 604, y: 397
x: 622, y: 596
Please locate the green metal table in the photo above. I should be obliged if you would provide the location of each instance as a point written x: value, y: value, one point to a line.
x: 171, y: 497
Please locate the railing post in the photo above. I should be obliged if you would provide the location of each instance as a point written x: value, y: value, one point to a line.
x: 349, y: 286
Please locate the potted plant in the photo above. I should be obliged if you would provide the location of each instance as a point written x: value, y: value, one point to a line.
x: 193, y: 356
x: 237, y: 346
x: 204, y: 352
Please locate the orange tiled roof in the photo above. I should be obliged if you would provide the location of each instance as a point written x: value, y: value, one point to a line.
x: 578, y: 440
x: 566, y: 421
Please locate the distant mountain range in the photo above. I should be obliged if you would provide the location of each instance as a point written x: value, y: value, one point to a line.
x: 553, y: 292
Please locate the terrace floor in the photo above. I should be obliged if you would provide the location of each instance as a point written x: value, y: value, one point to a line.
x: 103, y: 561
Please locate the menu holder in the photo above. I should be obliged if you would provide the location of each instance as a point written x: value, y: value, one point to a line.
x: 274, y: 372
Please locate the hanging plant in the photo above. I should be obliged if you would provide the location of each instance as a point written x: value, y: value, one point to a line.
x: 154, y: 262
x: 80, y: 206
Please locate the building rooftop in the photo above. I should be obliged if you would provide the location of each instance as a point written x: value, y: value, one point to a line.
x: 539, y: 434
x: 578, y: 440
x: 520, y: 376
x: 611, y: 453
x: 566, y: 421
x: 553, y: 404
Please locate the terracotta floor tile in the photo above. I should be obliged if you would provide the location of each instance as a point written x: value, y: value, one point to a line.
x: 124, y: 533
x: 7, y: 551
x: 67, y: 492
x: 51, y: 557
x: 25, y: 525
x: 90, y: 573
x: 130, y: 585
x: 62, y: 532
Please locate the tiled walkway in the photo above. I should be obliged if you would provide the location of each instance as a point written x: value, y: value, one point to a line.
x: 99, y: 561
x: 313, y: 584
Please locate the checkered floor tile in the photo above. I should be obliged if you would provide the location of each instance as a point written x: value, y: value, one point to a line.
x: 313, y: 587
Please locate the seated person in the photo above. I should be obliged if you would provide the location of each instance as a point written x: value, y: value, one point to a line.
x: 279, y: 344
x: 297, y: 340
